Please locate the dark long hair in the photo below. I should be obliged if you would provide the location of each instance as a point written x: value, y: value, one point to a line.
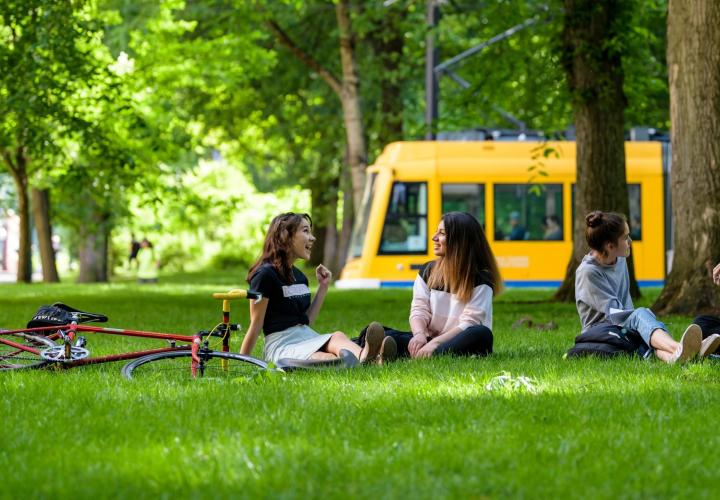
x: 603, y: 228
x: 467, y: 254
x: 277, y: 249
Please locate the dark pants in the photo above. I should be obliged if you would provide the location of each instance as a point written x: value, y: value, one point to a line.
x: 474, y: 340
x: 708, y: 325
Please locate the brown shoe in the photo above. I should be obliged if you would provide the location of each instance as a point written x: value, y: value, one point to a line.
x: 374, y: 336
x: 388, y: 351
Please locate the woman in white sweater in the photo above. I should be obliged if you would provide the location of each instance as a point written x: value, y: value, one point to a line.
x: 451, y: 310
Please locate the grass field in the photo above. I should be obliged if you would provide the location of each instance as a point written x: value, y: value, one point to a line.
x: 427, y: 429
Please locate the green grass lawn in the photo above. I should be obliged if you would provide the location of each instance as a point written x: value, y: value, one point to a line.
x: 422, y: 429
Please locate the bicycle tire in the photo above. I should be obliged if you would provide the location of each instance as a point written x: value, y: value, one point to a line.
x: 12, y: 358
x: 176, y: 365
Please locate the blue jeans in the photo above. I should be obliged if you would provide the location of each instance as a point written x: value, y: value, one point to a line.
x: 643, y: 321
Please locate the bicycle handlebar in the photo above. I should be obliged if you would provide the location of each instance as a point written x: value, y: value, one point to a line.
x: 237, y: 293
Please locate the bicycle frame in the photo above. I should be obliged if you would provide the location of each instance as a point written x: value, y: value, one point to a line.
x: 68, y: 334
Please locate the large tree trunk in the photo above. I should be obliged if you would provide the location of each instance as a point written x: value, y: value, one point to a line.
x: 17, y: 165
x: 324, y: 200
x: 388, y: 42
x: 347, y: 220
x: 593, y: 68
x: 693, y: 53
x: 43, y: 229
x: 94, y: 243
x: 352, y: 114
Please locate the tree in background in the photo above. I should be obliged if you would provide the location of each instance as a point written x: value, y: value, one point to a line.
x: 693, y: 54
x: 55, y: 80
x: 593, y: 47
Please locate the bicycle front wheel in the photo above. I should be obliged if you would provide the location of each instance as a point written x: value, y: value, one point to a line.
x: 13, y: 353
x: 178, y: 365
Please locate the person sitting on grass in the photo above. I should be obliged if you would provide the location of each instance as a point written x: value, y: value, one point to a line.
x: 285, y: 311
x: 710, y: 325
x: 602, y: 292
x: 451, y: 310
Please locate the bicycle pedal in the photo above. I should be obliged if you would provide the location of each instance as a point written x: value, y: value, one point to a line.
x: 80, y: 342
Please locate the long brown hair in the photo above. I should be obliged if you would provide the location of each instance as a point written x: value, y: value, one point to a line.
x: 467, y: 254
x: 277, y: 249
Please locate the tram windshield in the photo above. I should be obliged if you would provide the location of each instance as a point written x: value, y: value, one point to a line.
x: 358, y: 234
x: 405, y: 227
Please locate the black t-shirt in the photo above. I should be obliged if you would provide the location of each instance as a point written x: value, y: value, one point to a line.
x: 288, y: 302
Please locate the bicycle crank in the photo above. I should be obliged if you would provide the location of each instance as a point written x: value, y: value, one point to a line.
x: 57, y: 353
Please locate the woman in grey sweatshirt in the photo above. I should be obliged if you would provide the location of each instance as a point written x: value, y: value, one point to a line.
x: 602, y: 292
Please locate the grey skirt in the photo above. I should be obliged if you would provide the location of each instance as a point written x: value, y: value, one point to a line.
x: 296, y: 342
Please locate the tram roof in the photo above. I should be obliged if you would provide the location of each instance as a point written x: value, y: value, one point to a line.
x: 448, y: 158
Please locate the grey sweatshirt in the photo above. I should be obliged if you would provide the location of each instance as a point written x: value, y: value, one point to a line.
x: 599, y: 287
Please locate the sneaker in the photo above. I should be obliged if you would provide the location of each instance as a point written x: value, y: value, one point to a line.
x: 689, y: 345
x: 709, y: 345
x: 388, y: 351
x: 374, y: 336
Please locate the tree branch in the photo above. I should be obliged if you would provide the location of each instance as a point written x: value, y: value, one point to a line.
x: 304, y: 57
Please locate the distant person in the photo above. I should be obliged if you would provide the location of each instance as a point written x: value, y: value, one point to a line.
x: 285, y: 313
x: 517, y: 231
x: 451, y: 309
x: 635, y: 228
x: 147, y: 264
x: 552, y: 230
x: 710, y: 325
x: 134, y: 249
x: 602, y: 292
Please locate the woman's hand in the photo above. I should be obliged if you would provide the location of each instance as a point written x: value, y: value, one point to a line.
x: 416, y: 343
x: 716, y: 274
x: 427, y: 350
x: 323, y: 275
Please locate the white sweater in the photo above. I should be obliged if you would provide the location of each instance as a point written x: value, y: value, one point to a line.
x: 443, y: 311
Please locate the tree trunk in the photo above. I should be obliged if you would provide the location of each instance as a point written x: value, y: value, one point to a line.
x: 352, y: 114
x: 331, y: 235
x: 94, y: 242
x: 347, y: 219
x: 388, y: 42
x: 43, y: 229
x: 593, y: 68
x: 18, y: 170
x: 693, y: 53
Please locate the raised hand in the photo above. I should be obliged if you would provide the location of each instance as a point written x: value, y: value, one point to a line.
x: 323, y: 275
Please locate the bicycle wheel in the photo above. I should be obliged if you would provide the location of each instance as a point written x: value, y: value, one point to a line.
x: 15, y: 358
x: 177, y: 365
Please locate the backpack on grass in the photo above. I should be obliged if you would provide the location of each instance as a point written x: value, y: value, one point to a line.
x: 59, y: 314
x: 607, y: 340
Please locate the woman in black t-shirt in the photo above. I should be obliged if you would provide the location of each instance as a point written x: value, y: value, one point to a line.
x: 286, y: 312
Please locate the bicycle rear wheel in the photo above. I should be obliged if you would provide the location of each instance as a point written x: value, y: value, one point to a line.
x: 177, y: 365
x: 15, y: 358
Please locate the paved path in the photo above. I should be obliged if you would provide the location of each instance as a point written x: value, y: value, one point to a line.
x: 6, y: 277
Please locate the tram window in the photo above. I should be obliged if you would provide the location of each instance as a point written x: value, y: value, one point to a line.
x: 468, y: 198
x: 360, y: 229
x: 531, y: 212
x: 634, y: 202
x: 635, y: 221
x: 405, y: 228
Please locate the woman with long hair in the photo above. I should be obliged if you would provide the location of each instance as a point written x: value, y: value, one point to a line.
x: 451, y: 310
x: 285, y: 312
x: 602, y: 292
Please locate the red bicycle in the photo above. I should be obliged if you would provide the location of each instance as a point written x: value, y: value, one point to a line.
x: 62, y: 346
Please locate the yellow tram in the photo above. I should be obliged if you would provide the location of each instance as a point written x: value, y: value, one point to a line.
x: 527, y: 216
